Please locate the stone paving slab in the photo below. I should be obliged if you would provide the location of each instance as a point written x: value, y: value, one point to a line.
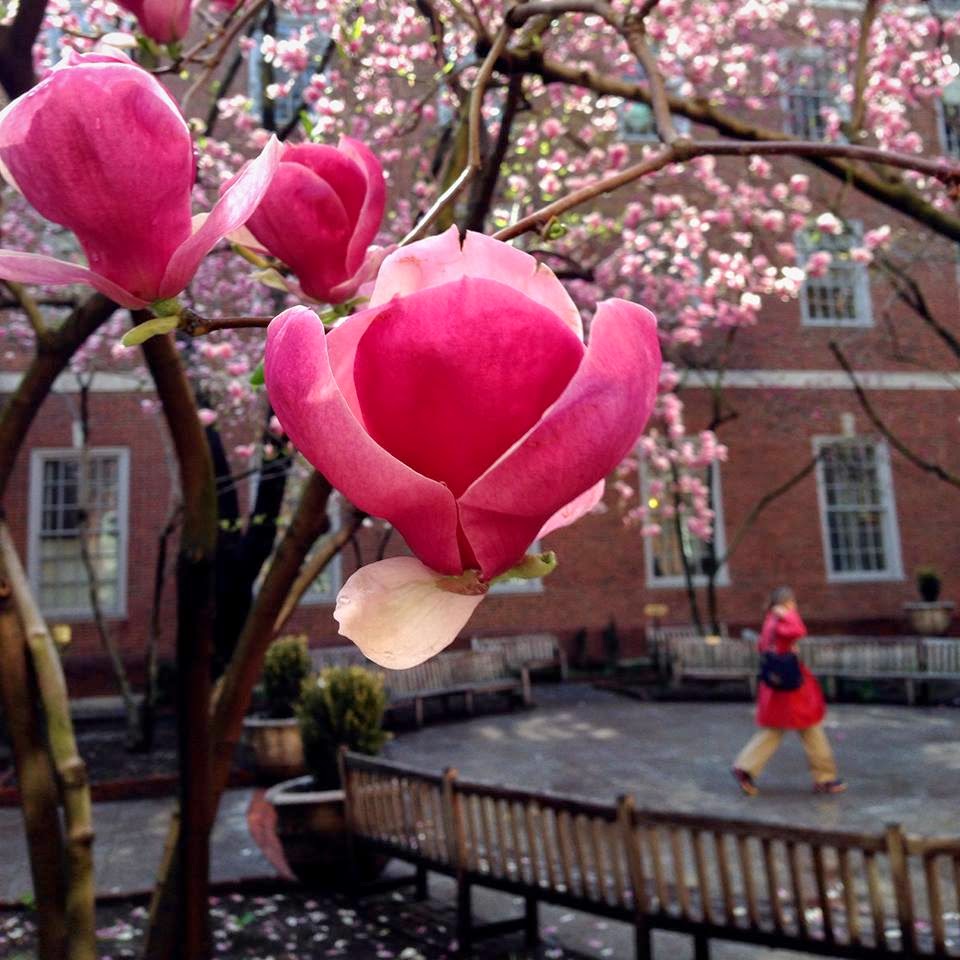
x: 901, y: 763
x: 129, y: 845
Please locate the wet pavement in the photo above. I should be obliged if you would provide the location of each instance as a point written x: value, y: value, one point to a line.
x: 902, y: 765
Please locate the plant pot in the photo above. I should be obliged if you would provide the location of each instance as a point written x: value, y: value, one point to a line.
x: 312, y: 829
x: 930, y: 619
x: 277, y: 747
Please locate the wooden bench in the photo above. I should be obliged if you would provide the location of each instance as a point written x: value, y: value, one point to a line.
x: 826, y: 892
x: 662, y: 641
x: 535, y: 651
x: 460, y: 673
x: 463, y: 673
x: 911, y: 660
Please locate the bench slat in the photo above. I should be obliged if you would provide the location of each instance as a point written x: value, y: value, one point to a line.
x: 823, y: 893
x: 773, y: 893
x: 796, y: 883
x: 851, y: 899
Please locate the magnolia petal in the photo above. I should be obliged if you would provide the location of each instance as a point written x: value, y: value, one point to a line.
x: 396, y: 613
x: 35, y: 268
x: 440, y: 259
x: 577, y: 442
x: 578, y: 507
x: 230, y: 212
x: 364, y: 276
x: 319, y: 421
x: 374, y: 202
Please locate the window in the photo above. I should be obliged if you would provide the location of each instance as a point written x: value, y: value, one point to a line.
x: 807, y: 94
x: 950, y: 119
x: 521, y: 586
x: 662, y: 553
x: 327, y: 585
x: 841, y: 296
x: 285, y: 107
x: 637, y: 123
x: 57, y: 572
x: 857, y: 512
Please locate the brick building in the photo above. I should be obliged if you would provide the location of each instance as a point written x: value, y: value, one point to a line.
x: 848, y: 535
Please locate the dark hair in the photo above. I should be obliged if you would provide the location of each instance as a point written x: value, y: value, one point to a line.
x: 780, y: 595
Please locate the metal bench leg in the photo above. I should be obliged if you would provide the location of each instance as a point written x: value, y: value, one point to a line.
x: 911, y: 692
x: 531, y: 928
x: 701, y: 947
x: 422, y: 890
x: 643, y: 940
x: 468, y: 701
x: 418, y: 711
x: 464, y: 917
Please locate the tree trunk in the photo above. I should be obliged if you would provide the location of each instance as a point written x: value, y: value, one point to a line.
x: 38, y: 789
x: 70, y: 768
x: 194, y: 643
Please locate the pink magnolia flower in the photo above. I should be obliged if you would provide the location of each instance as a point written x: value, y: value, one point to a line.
x: 162, y: 20
x: 320, y: 216
x: 101, y: 148
x: 463, y: 407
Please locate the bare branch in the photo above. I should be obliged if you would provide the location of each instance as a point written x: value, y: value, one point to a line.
x: 870, y: 10
x: 927, y: 466
x: 683, y: 150
x: 29, y: 307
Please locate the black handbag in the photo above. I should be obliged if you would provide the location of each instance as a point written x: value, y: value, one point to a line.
x: 781, y: 671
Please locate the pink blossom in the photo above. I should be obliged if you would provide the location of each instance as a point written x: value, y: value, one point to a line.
x: 207, y: 416
x: 320, y: 216
x: 455, y: 407
x: 162, y: 20
x: 818, y: 263
x: 101, y: 148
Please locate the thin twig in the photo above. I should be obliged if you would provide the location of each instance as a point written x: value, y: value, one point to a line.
x: 196, y: 326
x: 473, y: 144
x: 870, y: 10
x: 30, y: 308
x: 927, y: 466
x: 683, y: 150
x: 635, y: 33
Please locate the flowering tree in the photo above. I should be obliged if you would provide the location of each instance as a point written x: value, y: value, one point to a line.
x: 376, y: 130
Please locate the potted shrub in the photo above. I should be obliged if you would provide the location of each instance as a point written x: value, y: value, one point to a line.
x: 273, y: 733
x: 339, y: 706
x: 931, y: 616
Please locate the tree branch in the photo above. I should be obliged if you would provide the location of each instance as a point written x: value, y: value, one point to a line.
x: 926, y: 465
x: 870, y: 10
x: 51, y: 359
x: 16, y: 48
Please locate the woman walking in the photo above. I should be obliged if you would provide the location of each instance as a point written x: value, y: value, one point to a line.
x: 789, y: 698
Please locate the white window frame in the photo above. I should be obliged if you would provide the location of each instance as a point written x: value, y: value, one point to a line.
x: 814, y: 57
x: 313, y: 597
x: 889, y: 528
x: 38, y: 457
x: 722, y: 578
x: 863, y: 302
x: 945, y: 130
x: 520, y: 587
x: 283, y: 107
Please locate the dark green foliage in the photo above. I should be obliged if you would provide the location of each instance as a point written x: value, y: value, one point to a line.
x: 928, y: 583
x: 340, y: 705
x: 285, y: 667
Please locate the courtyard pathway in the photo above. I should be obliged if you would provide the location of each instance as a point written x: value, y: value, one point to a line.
x: 902, y: 764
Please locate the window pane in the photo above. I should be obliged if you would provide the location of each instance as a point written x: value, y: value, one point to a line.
x: 63, y: 582
x: 857, y: 508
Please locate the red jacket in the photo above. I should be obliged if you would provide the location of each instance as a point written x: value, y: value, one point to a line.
x: 788, y: 709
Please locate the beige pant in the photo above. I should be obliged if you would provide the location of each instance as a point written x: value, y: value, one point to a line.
x: 763, y: 745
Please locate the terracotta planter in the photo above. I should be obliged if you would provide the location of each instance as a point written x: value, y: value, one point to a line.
x: 277, y: 747
x: 930, y: 619
x: 312, y: 829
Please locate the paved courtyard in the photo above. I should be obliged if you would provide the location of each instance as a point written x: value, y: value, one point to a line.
x: 902, y: 764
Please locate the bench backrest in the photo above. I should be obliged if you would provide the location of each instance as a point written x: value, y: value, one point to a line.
x: 865, y: 656
x: 541, y: 842
x: 527, y: 648
x: 348, y: 655
x: 399, y: 808
x: 799, y: 886
x: 727, y: 655
x: 815, y: 885
x: 942, y: 655
x: 476, y: 666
